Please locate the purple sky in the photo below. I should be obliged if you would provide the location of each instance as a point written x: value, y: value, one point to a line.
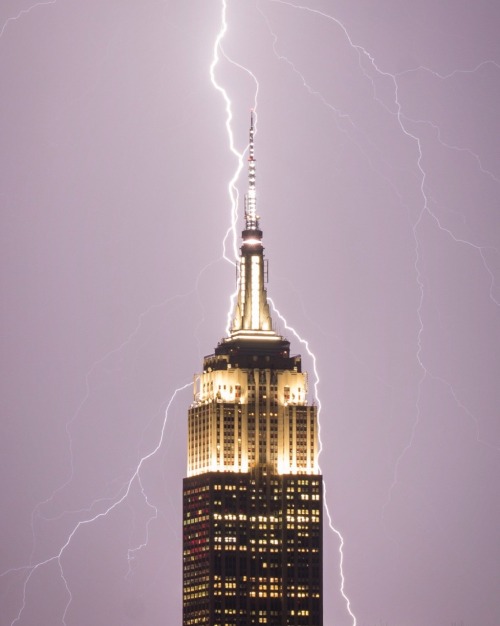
x: 379, y: 182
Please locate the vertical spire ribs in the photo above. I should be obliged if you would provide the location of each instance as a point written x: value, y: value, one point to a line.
x: 251, y: 219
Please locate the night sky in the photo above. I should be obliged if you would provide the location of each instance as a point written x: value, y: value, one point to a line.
x: 378, y: 178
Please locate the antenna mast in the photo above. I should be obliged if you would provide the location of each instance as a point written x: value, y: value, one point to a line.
x: 251, y: 218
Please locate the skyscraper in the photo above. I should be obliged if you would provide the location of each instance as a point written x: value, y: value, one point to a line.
x: 252, y: 509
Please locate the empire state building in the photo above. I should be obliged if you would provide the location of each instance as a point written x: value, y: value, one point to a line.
x: 252, y: 499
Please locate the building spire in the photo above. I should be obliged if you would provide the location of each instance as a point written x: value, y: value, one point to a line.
x: 251, y: 218
x: 252, y: 317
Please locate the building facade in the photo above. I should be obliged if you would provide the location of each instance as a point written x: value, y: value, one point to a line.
x: 252, y: 500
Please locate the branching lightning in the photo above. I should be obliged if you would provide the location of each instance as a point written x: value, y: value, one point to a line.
x: 88, y: 389
x: 131, y: 553
x: 56, y: 558
x: 340, y: 116
x: 113, y: 501
x: 402, y: 119
x: 468, y: 151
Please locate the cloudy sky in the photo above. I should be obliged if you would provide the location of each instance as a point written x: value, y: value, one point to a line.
x: 378, y: 189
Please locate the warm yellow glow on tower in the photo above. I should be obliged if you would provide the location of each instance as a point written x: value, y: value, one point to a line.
x: 242, y: 417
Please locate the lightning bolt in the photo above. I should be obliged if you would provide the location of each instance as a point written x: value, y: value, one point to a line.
x: 231, y: 233
x: 131, y: 553
x: 233, y: 192
x: 23, y: 12
x: 305, y: 343
x: 468, y: 151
